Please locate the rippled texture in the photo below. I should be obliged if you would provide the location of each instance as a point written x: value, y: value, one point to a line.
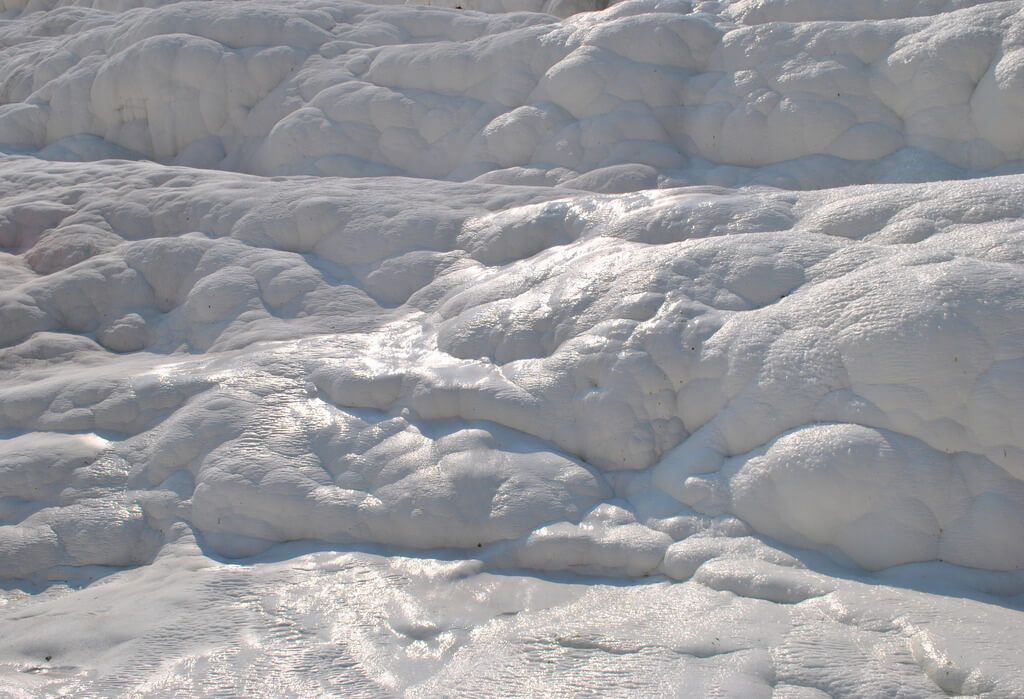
x: 494, y: 311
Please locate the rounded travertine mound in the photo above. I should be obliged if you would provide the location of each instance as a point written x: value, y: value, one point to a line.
x: 880, y: 498
x: 647, y: 93
x: 564, y: 381
x: 570, y: 380
x: 504, y: 291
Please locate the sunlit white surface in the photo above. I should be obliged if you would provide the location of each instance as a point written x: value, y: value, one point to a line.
x: 495, y: 313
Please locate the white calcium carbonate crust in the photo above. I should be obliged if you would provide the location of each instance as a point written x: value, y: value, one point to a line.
x: 430, y: 365
x: 646, y: 93
x: 665, y: 347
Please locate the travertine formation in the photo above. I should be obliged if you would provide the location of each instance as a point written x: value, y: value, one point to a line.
x: 710, y: 292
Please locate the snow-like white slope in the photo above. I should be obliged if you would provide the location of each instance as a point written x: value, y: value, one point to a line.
x: 391, y: 361
x: 354, y: 624
x: 785, y: 424
x: 679, y: 92
x: 625, y: 386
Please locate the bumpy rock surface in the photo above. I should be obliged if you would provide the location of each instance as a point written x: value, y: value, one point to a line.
x: 711, y: 292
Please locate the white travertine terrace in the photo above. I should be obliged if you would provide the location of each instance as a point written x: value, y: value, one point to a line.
x: 723, y: 295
